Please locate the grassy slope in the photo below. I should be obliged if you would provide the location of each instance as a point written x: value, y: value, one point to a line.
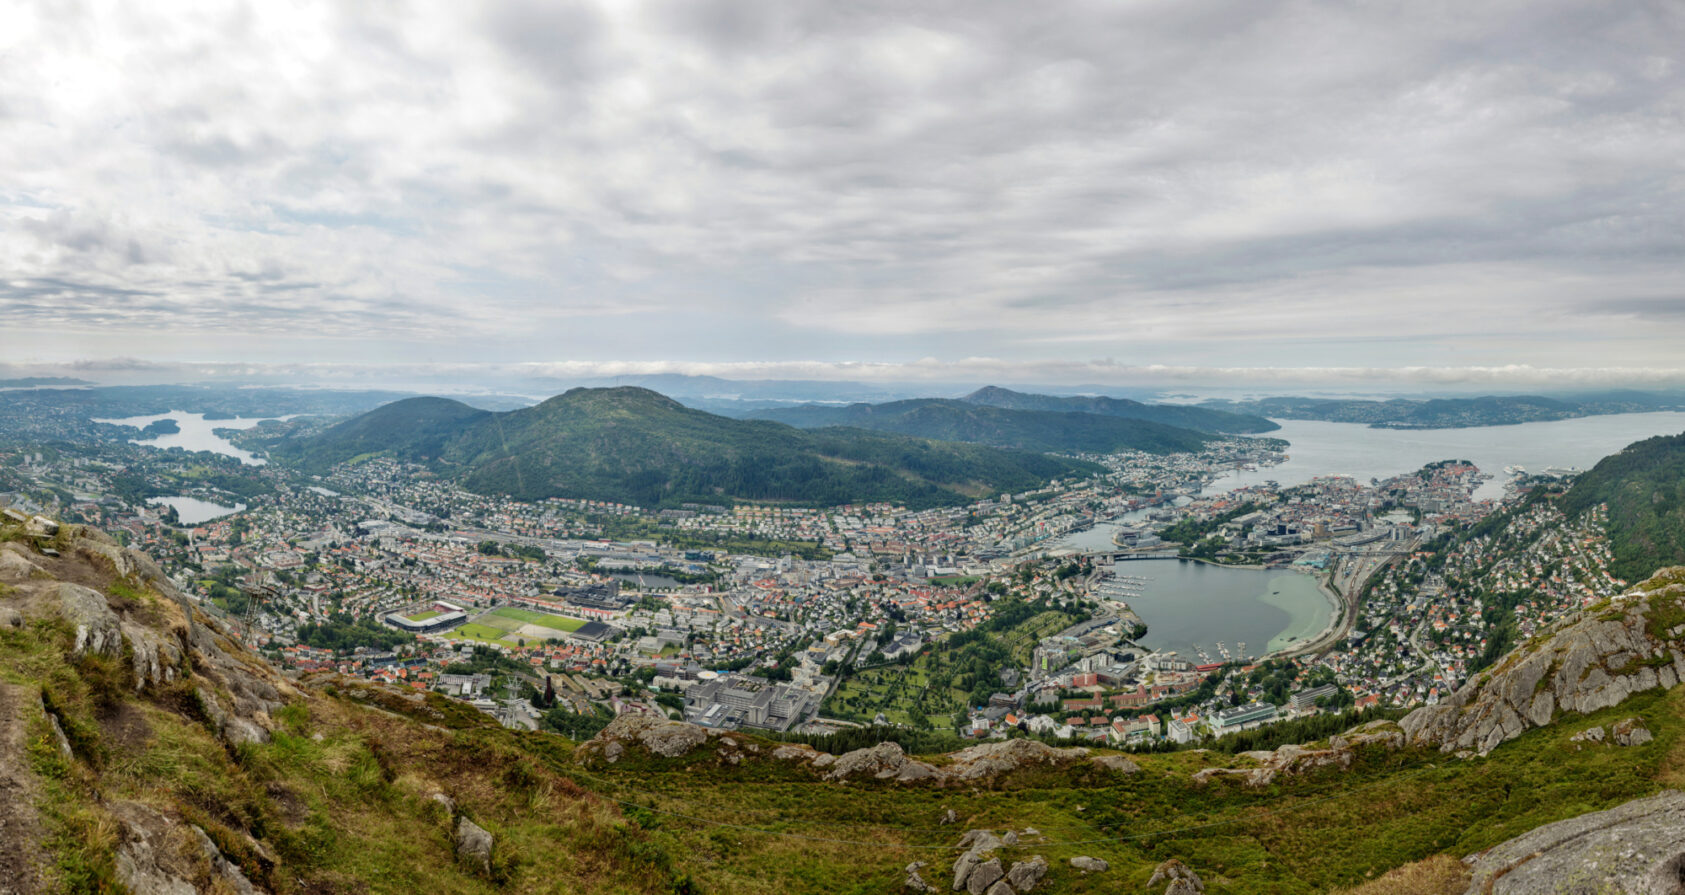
x: 1310, y: 834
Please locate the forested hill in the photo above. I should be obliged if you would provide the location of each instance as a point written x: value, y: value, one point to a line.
x: 633, y: 445
x: 1644, y: 486
x: 1203, y: 419
x: 1033, y: 430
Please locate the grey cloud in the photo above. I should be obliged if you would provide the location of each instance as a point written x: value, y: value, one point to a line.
x: 1150, y: 178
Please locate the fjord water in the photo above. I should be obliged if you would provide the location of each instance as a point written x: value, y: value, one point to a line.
x: 197, y: 433
x: 1190, y: 606
x: 1319, y: 448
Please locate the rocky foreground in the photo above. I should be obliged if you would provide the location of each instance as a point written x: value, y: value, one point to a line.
x: 138, y: 737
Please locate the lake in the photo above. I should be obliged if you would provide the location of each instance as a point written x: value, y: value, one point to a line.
x: 193, y: 511
x: 197, y: 433
x: 1190, y: 606
x: 1319, y: 448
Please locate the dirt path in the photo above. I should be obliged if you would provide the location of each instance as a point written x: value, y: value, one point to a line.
x: 20, y: 828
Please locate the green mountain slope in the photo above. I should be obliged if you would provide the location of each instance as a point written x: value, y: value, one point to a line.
x: 130, y: 718
x: 636, y: 446
x: 1644, y: 486
x: 1203, y: 419
x: 414, y: 428
x: 1033, y: 430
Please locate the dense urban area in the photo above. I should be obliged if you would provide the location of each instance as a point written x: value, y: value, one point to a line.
x: 973, y: 620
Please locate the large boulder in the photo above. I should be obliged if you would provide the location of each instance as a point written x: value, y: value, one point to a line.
x: 983, y: 876
x: 885, y: 761
x: 1025, y: 874
x: 1638, y: 847
x: 1090, y: 865
x: 668, y: 739
x: 473, y: 844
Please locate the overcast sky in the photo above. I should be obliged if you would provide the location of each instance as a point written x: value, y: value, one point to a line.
x: 1426, y: 191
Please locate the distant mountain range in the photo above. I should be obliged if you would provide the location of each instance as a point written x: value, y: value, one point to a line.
x: 1454, y: 413
x: 950, y: 419
x: 1202, y: 419
x: 636, y: 446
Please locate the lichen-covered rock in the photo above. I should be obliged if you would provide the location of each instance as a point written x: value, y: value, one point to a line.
x: 222, y: 867
x: 157, y: 655
x: 473, y: 844
x: 1025, y: 874
x: 885, y: 761
x: 145, y: 860
x: 1589, y: 735
x: 1591, y: 662
x: 97, y: 628
x: 668, y: 739
x: 16, y: 568
x: 1638, y: 847
x: 915, y: 881
x: 993, y: 759
x: 1090, y: 865
x: 1631, y: 732
x: 1181, y: 878
x: 1116, y: 763
x: 984, y: 875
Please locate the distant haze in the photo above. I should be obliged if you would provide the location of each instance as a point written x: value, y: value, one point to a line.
x: 1259, y: 195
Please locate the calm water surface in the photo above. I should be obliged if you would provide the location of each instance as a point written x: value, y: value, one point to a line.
x: 193, y: 511
x: 1318, y: 448
x: 1188, y: 606
x: 197, y: 433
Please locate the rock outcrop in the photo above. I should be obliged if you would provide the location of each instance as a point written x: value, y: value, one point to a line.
x: 97, y: 629
x: 1090, y: 865
x: 994, y: 759
x: 1293, y: 759
x: 1592, y: 661
x: 1638, y: 847
x: 473, y: 844
x: 663, y: 737
x: 915, y: 881
x: 1181, y: 878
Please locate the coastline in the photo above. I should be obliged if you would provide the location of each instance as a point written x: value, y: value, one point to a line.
x: 1330, y: 635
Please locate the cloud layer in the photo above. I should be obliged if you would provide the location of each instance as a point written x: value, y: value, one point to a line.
x: 1185, y: 184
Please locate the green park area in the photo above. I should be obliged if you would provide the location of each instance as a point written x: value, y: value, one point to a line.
x: 529, y: 617
x: 503, y: 627
x: 960, y: 671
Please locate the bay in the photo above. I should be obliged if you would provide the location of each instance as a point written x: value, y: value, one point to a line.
x: 1197, y: 610
x: 197, y: 433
